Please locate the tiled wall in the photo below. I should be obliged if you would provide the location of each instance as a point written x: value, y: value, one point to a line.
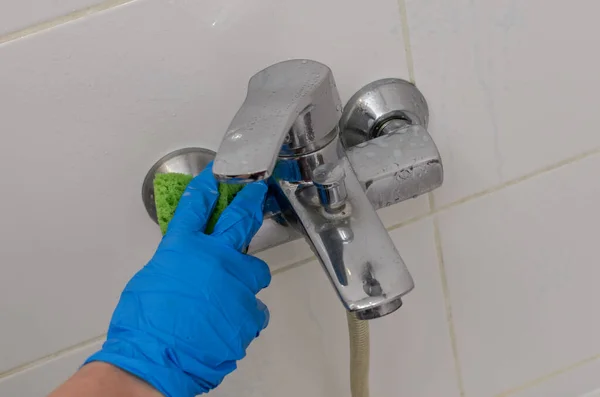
x: 504, y: 255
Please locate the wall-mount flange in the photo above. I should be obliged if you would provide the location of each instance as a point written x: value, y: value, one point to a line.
x: 189, y: 161
x: 378, y: 103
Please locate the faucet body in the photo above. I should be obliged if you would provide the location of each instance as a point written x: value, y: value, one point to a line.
x: 288, y: 129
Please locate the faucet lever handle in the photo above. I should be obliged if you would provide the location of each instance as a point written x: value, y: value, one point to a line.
x: 291, y: 108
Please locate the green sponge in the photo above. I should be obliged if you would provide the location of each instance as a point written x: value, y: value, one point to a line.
x: 227, y: 192
x: 168, y: 189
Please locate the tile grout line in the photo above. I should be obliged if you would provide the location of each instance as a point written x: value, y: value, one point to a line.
x: 549, y: 376
x: 431, y: 199
x: 448, y: 306
x: 46, y: 359
x: 520, y: 179
x: 494, y: 189
x: 432, y: 211
x: 294, y: 265
x: 60, y: 20
x: 406, y: 37
x: 412, y: 220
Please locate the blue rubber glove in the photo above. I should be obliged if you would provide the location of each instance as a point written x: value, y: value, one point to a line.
x: 185, y: 319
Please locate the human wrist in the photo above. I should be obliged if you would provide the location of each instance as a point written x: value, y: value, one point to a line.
x: 152, y: 366
x: 99, y: 379
x: 131, y: 384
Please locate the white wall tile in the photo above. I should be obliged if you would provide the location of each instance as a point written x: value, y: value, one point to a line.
x: 511, y: 85
x: 40, y: 380
x: 90, y: 105
x: 523, y: 278
x: 397, y: 213
x: 20, y: 14
x: 581, y: 381
x: 304, y: 351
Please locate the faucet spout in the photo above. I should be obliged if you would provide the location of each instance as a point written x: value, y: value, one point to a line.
x: 291, y: 108
x: 354, y: 247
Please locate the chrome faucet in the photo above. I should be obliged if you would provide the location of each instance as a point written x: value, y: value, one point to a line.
x: 288, y: 128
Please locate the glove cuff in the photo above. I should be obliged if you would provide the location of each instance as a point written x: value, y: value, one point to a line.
x: 171, y: 382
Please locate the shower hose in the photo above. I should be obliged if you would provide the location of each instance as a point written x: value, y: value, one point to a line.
x: 359, y: 356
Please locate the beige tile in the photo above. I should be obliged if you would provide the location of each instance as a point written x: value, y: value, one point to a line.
x: 511, y: 85
x: 523, y: 278
x: 88, y: 107
x: 304, y: 351
x: 40, y: 380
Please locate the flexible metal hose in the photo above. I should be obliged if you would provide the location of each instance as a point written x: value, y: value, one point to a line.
x: 359, y: 356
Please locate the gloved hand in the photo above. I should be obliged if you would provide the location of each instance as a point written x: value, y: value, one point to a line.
x: 185, y: 319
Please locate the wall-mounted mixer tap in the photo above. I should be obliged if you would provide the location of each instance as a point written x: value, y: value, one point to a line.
x: 288, y: 128
x: 331, y: 168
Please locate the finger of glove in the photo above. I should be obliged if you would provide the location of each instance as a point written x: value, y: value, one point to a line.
x: 266, y: 313
x: 253, y: 272
x: 196, y: 204
x: 254, y: 324
x: 242, y: 218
